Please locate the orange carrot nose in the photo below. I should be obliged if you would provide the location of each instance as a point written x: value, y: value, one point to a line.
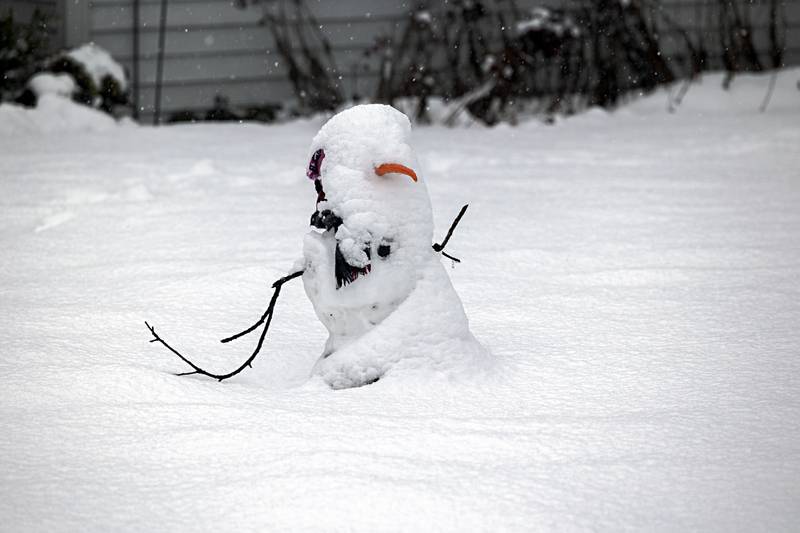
x: 395, y: 168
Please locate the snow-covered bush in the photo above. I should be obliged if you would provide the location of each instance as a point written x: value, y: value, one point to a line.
x: 87, y: 74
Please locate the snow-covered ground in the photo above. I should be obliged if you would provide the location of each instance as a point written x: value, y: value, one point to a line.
x: 636, y: 277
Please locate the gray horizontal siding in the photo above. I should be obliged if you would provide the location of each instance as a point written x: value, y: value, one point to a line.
x: 213, y: 47
x: 186, y: 40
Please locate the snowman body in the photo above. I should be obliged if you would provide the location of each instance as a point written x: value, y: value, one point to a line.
x: 370, y: 272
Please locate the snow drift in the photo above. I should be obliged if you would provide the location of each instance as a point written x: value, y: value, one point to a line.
x: 635, y: 276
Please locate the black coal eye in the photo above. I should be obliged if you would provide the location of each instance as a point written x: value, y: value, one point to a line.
x: 315, y: 164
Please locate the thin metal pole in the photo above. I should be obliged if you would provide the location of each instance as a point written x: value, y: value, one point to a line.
x: 160, y: 64
x: 135, y: 80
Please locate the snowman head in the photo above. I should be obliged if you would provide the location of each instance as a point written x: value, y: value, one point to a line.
x: 370, y: 196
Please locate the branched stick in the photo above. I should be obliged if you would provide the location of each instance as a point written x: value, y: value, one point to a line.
x: 277, y: 286
x: 266, y: 317
x: 440, y: 247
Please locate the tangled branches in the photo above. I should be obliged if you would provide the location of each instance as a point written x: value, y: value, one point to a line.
x: 265, y: 319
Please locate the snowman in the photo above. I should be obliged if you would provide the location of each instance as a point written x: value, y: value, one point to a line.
x: 368, y: 267
x: 369, y: 270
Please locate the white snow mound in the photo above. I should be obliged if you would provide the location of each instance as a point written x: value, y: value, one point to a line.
x: 98, y: 64
x: 52, y: 114
x: 746, y: 93
x: 48, y: 83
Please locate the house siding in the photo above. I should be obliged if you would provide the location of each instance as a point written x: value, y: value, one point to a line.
x: 215, y: 48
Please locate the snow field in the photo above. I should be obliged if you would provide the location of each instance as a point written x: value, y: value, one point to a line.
x: 636, y: 277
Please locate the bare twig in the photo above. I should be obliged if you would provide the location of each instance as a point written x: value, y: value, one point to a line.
x: 456, y: 259
x: 440, y: 247
x: 266, y: 317
x: 277, y: 285
x: 767, y: 97
x: 471, y: 97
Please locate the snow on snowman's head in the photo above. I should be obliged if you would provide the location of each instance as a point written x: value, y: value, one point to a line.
x: 369, y: 191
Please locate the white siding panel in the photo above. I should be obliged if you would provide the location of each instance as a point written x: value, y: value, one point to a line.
x: 205, y: 13
x: 188, y: 69
x: 321, y: 8
x: 179, y: 71
x: 193, y: 40
x: 109, y: 17
x: 201, y: 97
